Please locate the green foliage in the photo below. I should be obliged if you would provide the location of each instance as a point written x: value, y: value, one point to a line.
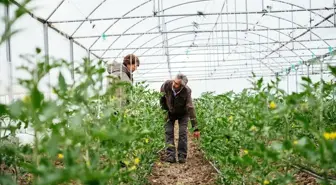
x: 9, y: 22
x: 80, y: 133
x: 260, y: 133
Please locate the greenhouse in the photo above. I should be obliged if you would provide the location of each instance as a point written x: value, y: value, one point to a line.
x: 102, y: 92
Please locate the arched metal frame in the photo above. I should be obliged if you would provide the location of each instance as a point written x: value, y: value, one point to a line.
x: 74, y: 39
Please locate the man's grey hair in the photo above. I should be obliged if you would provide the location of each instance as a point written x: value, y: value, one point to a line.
x: 183, y: 78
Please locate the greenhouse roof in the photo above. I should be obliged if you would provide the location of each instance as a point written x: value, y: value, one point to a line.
x: 205, y: 39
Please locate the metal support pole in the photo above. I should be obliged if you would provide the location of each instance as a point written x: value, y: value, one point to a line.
x: 287, y: 82
x: 9, y: 57
x: 296, y: 80
x: 292, y: 16
x: 154, y: 12
x: 267, y: 39
x: 259, y: 51
x: 159, y: 13
x: 72, y: 60
x: 165, y: 40
x: 279, y: 36
x: 308, y: 71
x: 89, y: 54
x: 46, y: 53
x: 235, y: 7
x: 321, y: 70
x: 227, y: 25
x: 222, y: 36
x: 262, y: 4
x: 310, y: 20
x: 335, y: 13
x: 217, y: 46
x: 246, y: 15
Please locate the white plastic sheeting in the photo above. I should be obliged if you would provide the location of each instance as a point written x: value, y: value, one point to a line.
x: 263, y: 36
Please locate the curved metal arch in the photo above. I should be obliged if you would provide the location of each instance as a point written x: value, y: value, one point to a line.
x: 250, y: 33
x: 142, y: 4
x: 250, y: 41
x: 190, y: 2
x: 149, y: 31
x: 54, y: 11
x: 246, y: 56
x: 291, y: 4
x: 201, y: 24
x: 185, y: 3
x: 243, y: 55
x: 120, y: 36
x: 81, y: 24
x: 299, y: 26
x: 243, y: 23
x: 253, y: 24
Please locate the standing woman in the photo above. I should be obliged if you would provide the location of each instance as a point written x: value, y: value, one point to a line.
x: 122, y: 73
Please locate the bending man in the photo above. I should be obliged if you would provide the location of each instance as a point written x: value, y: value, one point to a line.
x: 178, y: 102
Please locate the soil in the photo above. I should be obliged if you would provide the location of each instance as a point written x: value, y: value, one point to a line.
x: 302, y: 178
x: 197, y: 170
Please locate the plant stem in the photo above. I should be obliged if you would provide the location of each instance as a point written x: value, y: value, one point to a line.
x: 36, y: 143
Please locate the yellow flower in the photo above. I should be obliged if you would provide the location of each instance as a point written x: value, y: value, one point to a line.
x: 26, y: 99
x: 230, y: 118
x: 132, y: 168
x: 246, y: 152
x: 146, y: 140
x: 60, y: 156
x: 253, y: 128
x: 266, y: 182
x: 329, y: 136
x: 272, y: 105
x: 136, y: 161
x: 295, y: 142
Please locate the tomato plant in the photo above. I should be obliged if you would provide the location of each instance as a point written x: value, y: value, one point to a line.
x: 258, y: 135
x: 81, y: 135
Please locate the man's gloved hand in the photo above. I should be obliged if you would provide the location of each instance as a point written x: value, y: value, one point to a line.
x: 197, y: 134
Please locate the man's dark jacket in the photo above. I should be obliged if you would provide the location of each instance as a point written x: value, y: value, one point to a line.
x: 178, y: 105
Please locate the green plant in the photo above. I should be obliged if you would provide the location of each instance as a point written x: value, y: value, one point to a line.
x: 257, y: 136
x: 80, y: 134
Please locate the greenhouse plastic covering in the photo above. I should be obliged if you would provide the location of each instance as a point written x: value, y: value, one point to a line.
x: 216, y: 43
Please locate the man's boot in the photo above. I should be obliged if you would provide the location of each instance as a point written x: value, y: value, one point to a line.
x: 182, y: 159
x: 171, y: 159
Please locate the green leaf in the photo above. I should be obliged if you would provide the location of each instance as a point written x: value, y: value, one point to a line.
x: 6, y: 180
x: 49, y: 110
x: 38, y: 50
x: 37, y: 98
x: 15, y: 108
x: 61, y: 83
x: 333, y: 70
x: 3, y: 109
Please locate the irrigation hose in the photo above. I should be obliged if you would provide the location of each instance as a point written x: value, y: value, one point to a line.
x: 313, y: 173
x: 214, y: 167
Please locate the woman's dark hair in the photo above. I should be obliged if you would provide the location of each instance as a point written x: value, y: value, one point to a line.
x: 131, y: 59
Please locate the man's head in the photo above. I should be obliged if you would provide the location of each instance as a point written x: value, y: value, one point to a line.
x: 180, y: 81
x: 132, y: 62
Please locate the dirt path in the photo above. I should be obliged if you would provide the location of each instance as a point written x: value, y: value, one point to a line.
x: 196, y: 170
